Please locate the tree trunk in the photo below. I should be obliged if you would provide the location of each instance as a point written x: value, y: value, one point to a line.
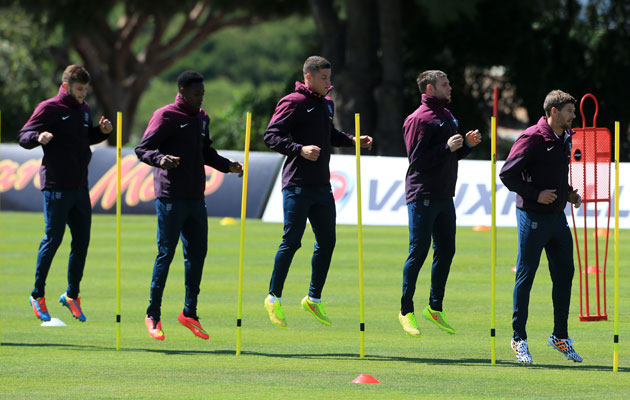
x: 331, y: 31
x: 360, y: 75
x: 389, y: 94
x: 352, y: 49
x: 111, y: 92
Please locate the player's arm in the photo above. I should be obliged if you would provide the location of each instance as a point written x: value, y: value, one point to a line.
x: 220, y: 163
x: 148, y: 150
x: 341, y: 139
x: 512, y: 171
x: 100, y: 132
x: 574, y: 198
x: 35, y: 131
x: 470, y: 140
x: 214, y: 159
x: 278, y: 134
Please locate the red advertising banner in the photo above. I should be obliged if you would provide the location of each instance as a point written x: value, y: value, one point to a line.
x: 20, y: 186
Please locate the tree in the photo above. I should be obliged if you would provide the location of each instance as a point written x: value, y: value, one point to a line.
x: 577, y: 46
x: 607, y: 38
x: 352, y: 46
x: 25, y: 74
x: 123, y: 44
x: 254, y: 74
x: 389, y: 93
x: 378, y: 47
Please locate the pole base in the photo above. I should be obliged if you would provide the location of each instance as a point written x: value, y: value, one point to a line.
x: 586, y: 318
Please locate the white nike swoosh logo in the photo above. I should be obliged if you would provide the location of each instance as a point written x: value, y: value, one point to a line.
x: 310, y: 109
x: 442, y: 124
x: 65, y: 118
x: 550, y: 148
x: 183, y: 125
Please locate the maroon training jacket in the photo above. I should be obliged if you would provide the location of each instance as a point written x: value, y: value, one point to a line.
x: 539, y: 160
x: 304, y: 118
x: 432, y: 172
x: 182, y: 131
x: 67, y: 155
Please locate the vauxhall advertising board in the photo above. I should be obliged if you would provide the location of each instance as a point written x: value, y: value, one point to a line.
x: 383, y: 194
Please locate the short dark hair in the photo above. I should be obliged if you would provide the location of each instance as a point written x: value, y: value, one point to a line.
x: 75, y: 73
x: 557, y: 99
x: 429, y: 77
x: 187, y: 78
x: 314, y: 64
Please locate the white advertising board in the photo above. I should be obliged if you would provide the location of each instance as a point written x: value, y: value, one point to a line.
x: 383, y: 194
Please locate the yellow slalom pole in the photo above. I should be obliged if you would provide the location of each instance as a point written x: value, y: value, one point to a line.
x: 239, y: 314
x: 616, y: 324
x: 118, y: 214
x: 0, y: 146
x: 493, y: 261
x: 0, y: 132
x: 357, y: 132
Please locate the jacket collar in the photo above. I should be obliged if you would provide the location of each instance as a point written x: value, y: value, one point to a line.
x: 434, y: 102
x: 300, y: 87
x: 181, y: 104
x: 67, y: 99
x: 548, y: 134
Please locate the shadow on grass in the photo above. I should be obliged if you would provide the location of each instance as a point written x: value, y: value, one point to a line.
x: 58, y: 345
x: 125, y: 349
x: 182, y: 352
x: 481, y: 362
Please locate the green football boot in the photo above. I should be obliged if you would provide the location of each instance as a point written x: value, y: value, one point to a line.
x: 317, y: 310
x: 438, y: 318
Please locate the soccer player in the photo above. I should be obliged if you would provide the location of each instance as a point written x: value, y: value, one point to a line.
x: 177, y: 144
x: 302, y: 129
x: 63, y: 126
x: 537, y: 169
x: 434, y: 146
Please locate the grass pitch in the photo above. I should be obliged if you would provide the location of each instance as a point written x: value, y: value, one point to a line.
x: 308, y: 360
